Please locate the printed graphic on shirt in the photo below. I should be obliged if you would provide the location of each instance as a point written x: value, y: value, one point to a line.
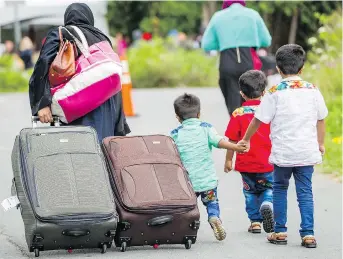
x: 297, y: 84
x: 245, y: 185
x: 244, y: 110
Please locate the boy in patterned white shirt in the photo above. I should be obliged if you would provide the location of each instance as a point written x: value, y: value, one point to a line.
x: 296, y: 110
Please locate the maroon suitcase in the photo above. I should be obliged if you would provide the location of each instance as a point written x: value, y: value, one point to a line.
x: 155, y: 200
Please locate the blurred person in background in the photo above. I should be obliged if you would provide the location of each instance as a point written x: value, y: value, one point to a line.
x: 121, y: 44
x: 9, y: 47
x: 237, y: 32
x: 127, y: 41
x: 195, y: 42
x: 136, y: 37
x: 26, y: 51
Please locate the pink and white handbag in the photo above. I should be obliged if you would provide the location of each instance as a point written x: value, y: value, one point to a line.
x: 97, y: 78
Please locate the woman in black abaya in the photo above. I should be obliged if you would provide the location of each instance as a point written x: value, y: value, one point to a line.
x: 109, y: 118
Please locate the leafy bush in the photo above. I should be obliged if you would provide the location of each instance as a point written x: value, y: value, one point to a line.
x: 10, y: 79
x: 326, y: 73
x: 159, y: 63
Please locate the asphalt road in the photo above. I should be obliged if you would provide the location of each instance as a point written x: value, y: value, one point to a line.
x: 156, y: 116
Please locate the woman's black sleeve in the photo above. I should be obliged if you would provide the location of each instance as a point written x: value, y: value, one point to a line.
x: 39, y: 86
x: 121, y: 127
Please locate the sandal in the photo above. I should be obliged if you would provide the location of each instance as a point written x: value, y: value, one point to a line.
x: 309, y: 241
x: 255, y: 228
x: 278, y: 238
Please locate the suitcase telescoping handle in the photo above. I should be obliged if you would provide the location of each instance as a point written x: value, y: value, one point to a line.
x: 158, y: 221
x: 35, y: 119
x: 76, y: 232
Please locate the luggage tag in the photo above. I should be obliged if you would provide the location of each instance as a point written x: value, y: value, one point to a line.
x: 10, y: 203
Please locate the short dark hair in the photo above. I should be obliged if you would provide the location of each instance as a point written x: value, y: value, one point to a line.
x: 252, y: 83
x: 290, y: 59
x: 187, y: 106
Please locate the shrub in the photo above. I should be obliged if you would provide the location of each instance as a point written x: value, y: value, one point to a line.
x: 159, y: 63
x: 326, y: 72
x: 11, y: 80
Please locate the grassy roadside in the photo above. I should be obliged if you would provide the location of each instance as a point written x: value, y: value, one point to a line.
x: 326, y: 54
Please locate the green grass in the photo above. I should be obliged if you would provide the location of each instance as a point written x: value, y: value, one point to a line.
x: 12, y: 80
x: 160, y: 63
x: 326, y: 54
x: 329, y: 80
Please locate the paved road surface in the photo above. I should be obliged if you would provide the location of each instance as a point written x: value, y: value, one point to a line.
x: 156, y: 109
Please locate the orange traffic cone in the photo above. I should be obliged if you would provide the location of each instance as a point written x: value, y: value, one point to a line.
x: 126, y: 88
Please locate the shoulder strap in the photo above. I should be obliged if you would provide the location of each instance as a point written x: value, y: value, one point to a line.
x: 80, y: 46
x: 81, y: 35
x: 60, y: 34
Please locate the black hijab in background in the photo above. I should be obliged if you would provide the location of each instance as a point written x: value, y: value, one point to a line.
x: 80, y: 15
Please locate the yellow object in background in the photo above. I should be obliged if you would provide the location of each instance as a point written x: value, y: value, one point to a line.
x: 337, y: 140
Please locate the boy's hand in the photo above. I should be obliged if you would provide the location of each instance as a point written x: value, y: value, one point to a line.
x: 244, y: 143
x: 322, y: 149
x: 240, y: 148
x: 228, y: 166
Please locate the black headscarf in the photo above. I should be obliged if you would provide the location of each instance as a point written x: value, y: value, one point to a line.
x: 79, y: 15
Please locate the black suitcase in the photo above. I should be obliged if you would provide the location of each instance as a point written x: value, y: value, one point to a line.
x: 62, y: 184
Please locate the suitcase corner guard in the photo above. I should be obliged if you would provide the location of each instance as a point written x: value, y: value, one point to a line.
x: 123, y: 226
x: 111, y: 233
x: 195, y: 225
x: 37, y: 238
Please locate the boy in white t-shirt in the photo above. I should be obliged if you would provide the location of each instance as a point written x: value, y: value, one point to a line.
x: 296, y: 110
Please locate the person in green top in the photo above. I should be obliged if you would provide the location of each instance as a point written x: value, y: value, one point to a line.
x: 194, y: 140
x: 237, y: 32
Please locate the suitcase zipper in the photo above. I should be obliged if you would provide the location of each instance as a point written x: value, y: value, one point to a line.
x: 76, y: 218
x: 53, y: 133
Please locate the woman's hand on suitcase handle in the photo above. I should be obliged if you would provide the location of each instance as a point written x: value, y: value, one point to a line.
x: 45, y: 115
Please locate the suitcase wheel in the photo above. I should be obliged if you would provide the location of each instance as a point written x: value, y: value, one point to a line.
x: 123, y: 247
x: 188, y: 244
x: 103, y: 248
x: 36, y: 252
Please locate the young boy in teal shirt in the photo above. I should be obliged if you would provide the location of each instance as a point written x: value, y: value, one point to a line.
x: 194, y: 140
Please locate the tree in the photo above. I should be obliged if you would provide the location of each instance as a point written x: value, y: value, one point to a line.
x: 167, y: 15
x: 208, y: 9
x: 292, y: 22
x: 288, y: 22
x: 294, y: 26
x: 125, y: 16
